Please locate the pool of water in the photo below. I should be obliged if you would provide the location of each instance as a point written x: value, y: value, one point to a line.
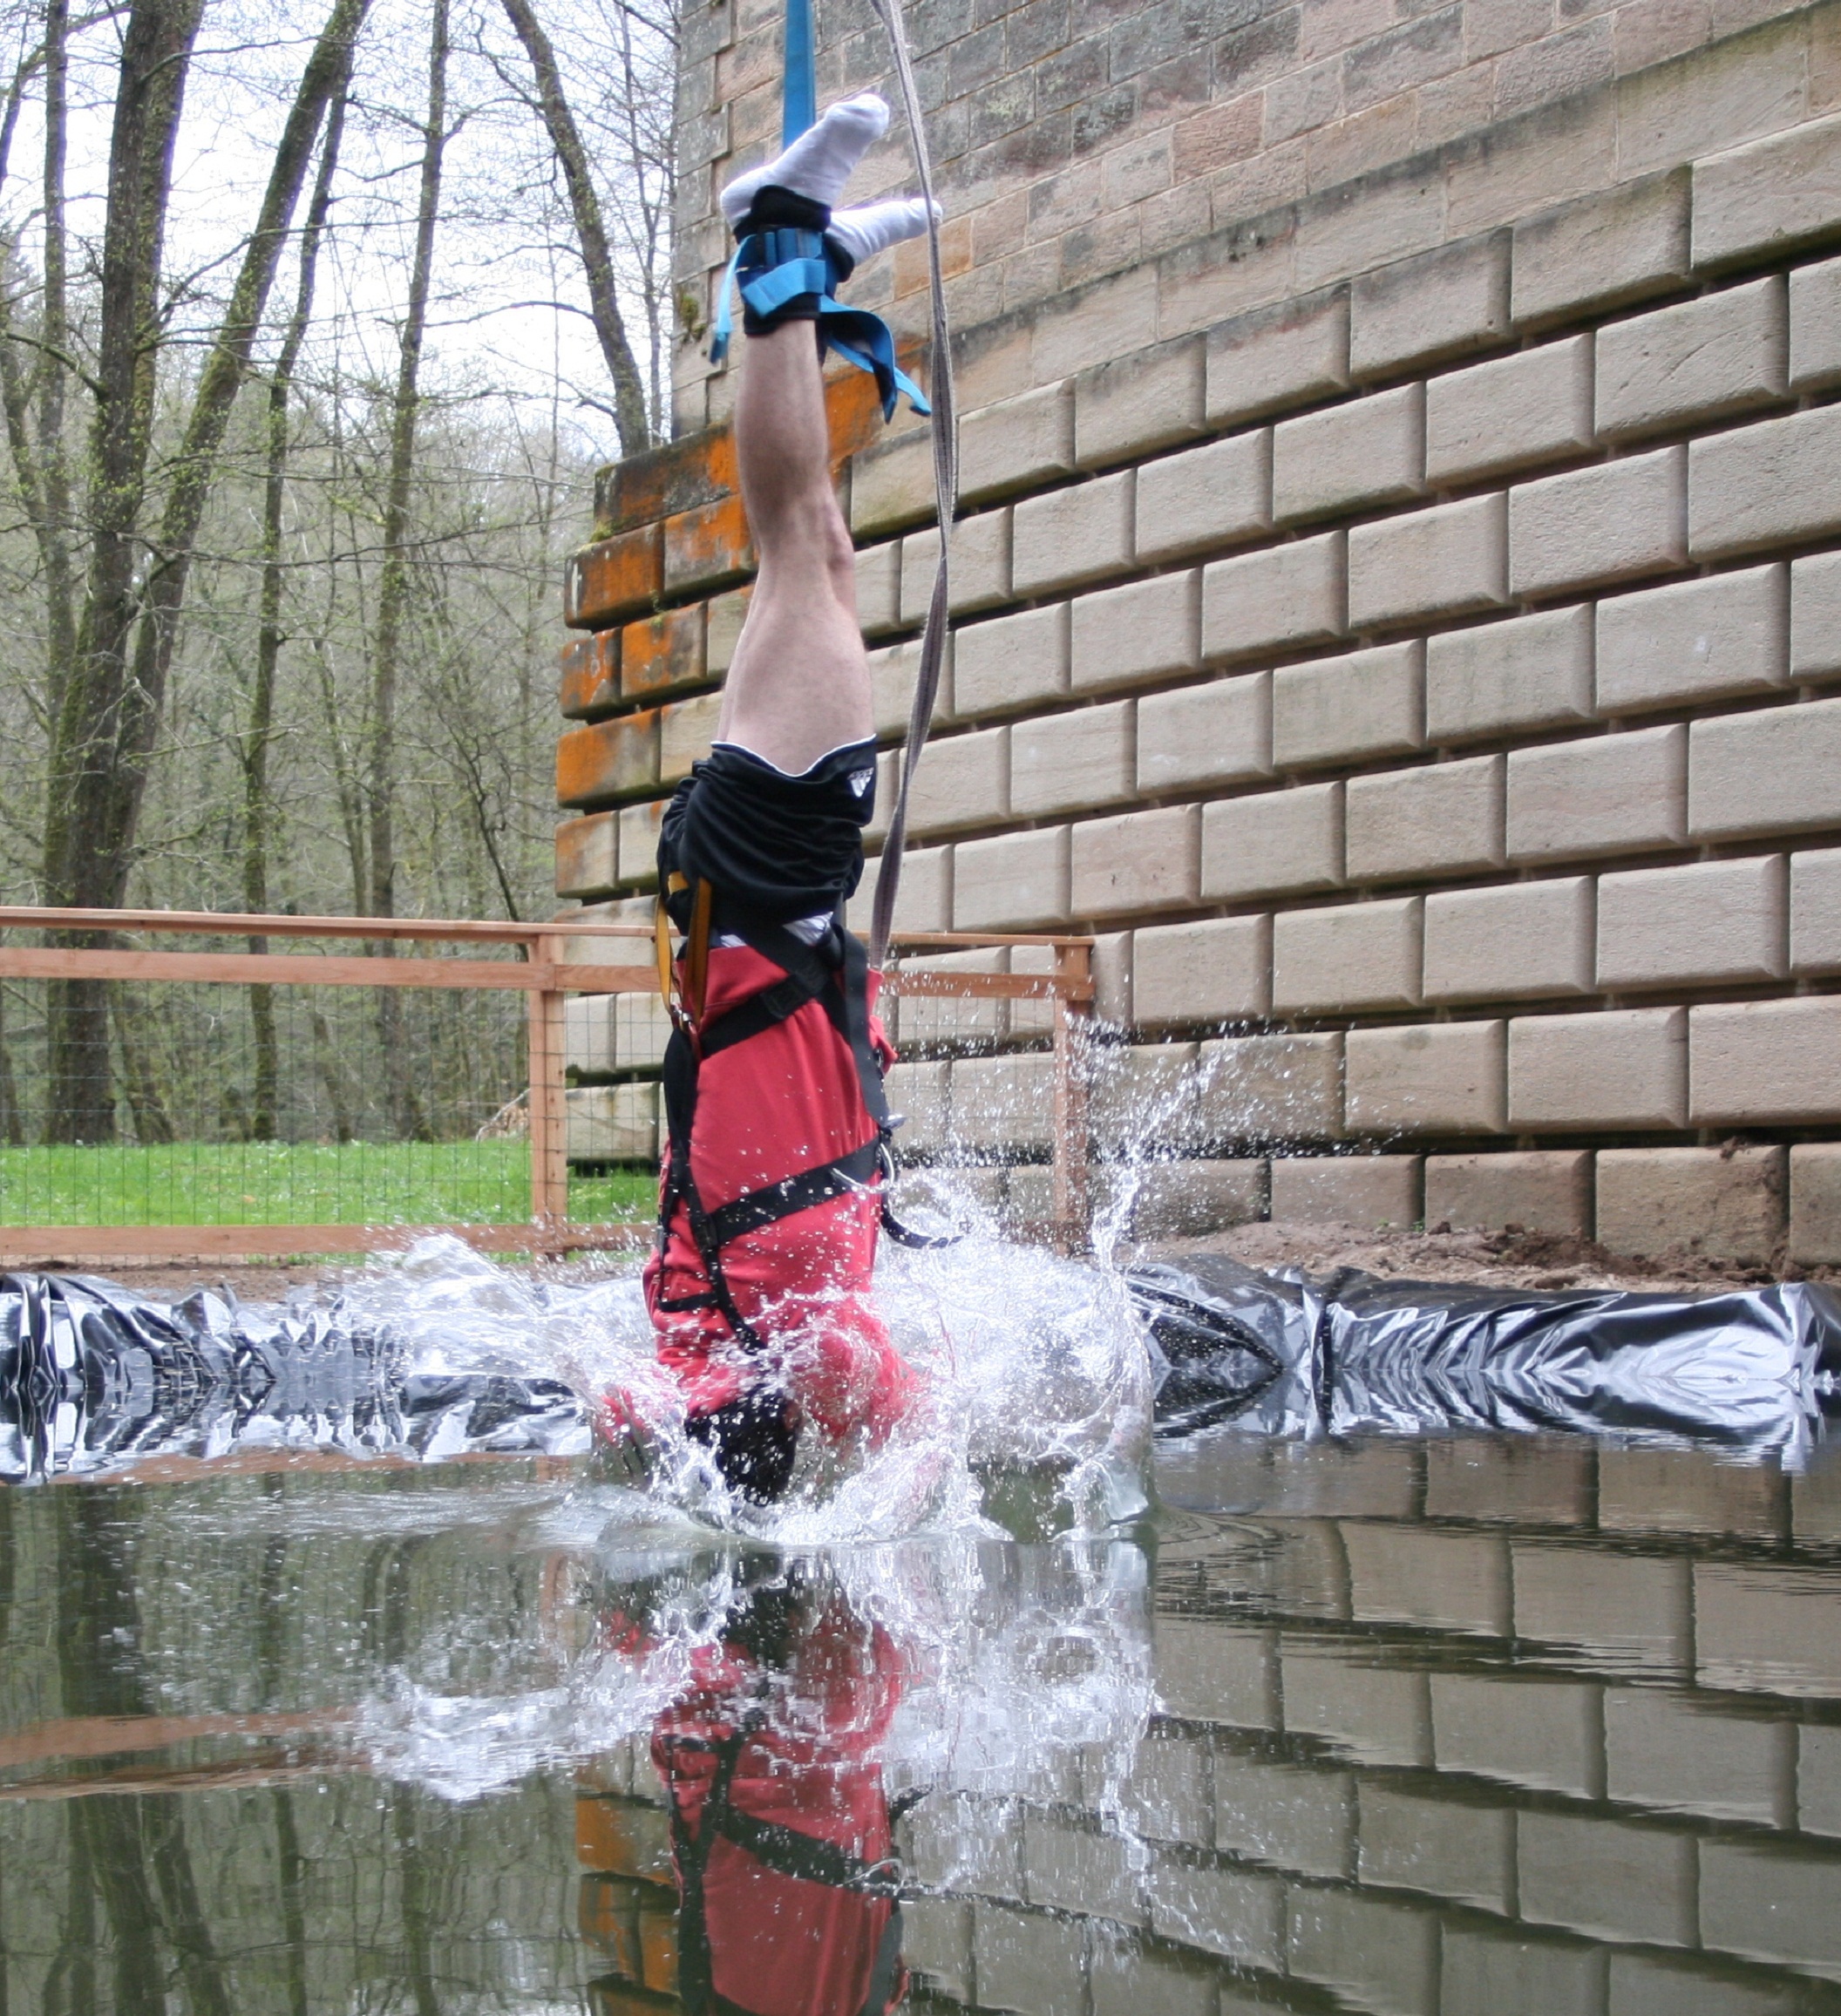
x: 1425, y: 1727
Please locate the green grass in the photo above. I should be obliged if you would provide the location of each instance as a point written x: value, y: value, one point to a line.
x: 308, y: 1183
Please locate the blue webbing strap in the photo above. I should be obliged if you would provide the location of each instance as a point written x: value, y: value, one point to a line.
x: 799, y: 91
x: 776, y: 267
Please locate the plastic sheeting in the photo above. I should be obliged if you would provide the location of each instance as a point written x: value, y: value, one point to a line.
x: 1351, y: 1353
x: 92, y: 1376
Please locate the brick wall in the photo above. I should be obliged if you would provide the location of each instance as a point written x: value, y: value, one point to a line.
x: 1403, y: 620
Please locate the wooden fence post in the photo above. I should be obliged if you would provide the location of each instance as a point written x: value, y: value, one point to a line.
x: 549, y: 1098
x: 1071, y: 1203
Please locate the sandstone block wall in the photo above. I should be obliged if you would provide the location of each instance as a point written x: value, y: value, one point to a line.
x: 1397, y: 602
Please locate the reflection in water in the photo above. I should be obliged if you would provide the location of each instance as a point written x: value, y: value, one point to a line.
x: 1440, y: 1728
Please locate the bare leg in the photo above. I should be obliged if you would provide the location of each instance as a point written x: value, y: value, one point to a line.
x: 798, y: 685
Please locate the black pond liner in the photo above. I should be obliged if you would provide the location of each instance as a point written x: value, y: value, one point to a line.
x: 93, y: 1377
x: 1349, y: 1353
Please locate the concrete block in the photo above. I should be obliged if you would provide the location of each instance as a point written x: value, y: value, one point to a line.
x: 1364, y: 451
x: 1628, y: 1612
x: 1214, y: 496
x: 1815, y: 910
x: 1723, y: 353
x: 1187, y: 1199
x: 926, y: 899
x: 1815, y: 617
x: 1357, y: 955
x: 1601, y: 250
x: 1641, y: 1986
x: 1153, y: 1981
x: 1027, y: 1962
x: 1011, y: 661
x: 1607, y: 1879
x: 1605, y: 794
x: 963, y: 780
x: 1218, y: 1911
x: 1814, y: 326
x: 1513, y: 1483
x: 980, y: 567
x: 1136, y: 863
x: 1764, y: 1060
x: 1653, y: 1200
x: 1764, y: 772
x: 1217, y: 733
x: 1217, y: 970
x: 1814, y: 1204
x: 1698, y: 639
x: 1490, y: 1973
x: 1003, y: 1104
x: 1017, y: 882
x: 588, y: 946
x: 1207, y: 1670
x: 1541, y: 1190
x: 706, y: 548
x: 1712, y: 921
x: 604, y: 760
x: 1462, y: 1853
x: 1269, y: 1088
x: 919, y: 1093
x: 1286, y: 595
x: 1278, y: 357
x: 1065, y: 536
x: 606, y: 1033
x: 1532, y: 672
x: 1767, y: 195
x: 1672, y: 1755
x: 1364, y: 703
x: 1168, y: 1791
x: 936, y: 1942
x: 1759, y: 1631
x: 1602, y: 524
x: 1547, y: 1735
x: 1144, y: 632
x: 1522, y: 941
x: 1143, y: 1098
x: 1417, y: 1575
x: 1066, y: 1867
x: 1069, y: 763
x: 1441, y: 817
x: 1013, y: 444
x: 1136, y: 404
x: 1674, y: 1491
x: 967, y: 1844
x: 1443, y: 1078
x: 879, y: 590
x: 661, y: 654
x: 1437, y: 304
x: 893, y: 671
x: 1769, y: 1904
x: 1819, y: 1779
x: 588, y: 686
x: 1531, y: 407
x: 588, y: 856
x: 1766, y: 485
x: 1298, y: 1818
x: 613, y: 1123
x: 723, y: 616
x: 891, y: 484
x: 1442, y: 562
x: 1278, y: 842
x: 685, y: 731
x: 1627, y: 1068
x: 1380, y: 1954
x: 1112, y: 964
x: 1357, y: 1190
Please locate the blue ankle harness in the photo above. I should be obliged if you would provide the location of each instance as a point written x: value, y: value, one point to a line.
x: 774, y: 268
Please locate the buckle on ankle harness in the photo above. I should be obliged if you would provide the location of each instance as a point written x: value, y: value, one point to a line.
x: 774, y: 268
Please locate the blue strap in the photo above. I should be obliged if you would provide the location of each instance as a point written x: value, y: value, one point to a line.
x: 800, y: 89
x: 774, y: 268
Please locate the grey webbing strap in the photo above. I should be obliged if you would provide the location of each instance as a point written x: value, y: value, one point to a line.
x: 946, y: 499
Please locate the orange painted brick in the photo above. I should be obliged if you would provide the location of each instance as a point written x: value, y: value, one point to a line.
x: 607, y: 1915
x: 621, y: 1837
x: 612, y: 580
x: 590, y: 682
x: 608, y: 1996
x: 683, y: 474
x: 607, y: 760
x: 661, y: 653
x: 658, y: 1942
x: 707, y: 548
x: 588, y: 856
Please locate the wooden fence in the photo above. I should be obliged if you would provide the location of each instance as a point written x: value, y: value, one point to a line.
x: 547, y: 978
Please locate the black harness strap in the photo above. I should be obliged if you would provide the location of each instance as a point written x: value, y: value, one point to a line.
x: 819, y: 1185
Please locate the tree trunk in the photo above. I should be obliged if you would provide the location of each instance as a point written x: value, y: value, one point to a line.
x: 140, y: 1077
x: 630, y: 391
x: 393, y: 589
x: 258, y: 809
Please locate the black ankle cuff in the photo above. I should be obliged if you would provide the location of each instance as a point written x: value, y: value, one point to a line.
x: 778, y: 209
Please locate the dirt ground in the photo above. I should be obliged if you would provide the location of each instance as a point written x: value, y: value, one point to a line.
x: 1508, y: 1259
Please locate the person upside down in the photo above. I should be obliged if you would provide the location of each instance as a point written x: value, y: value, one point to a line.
x: 771, y: 1194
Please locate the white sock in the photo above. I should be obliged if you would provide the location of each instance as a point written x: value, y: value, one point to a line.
x: 874, y: 227
x: 820, y: 161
